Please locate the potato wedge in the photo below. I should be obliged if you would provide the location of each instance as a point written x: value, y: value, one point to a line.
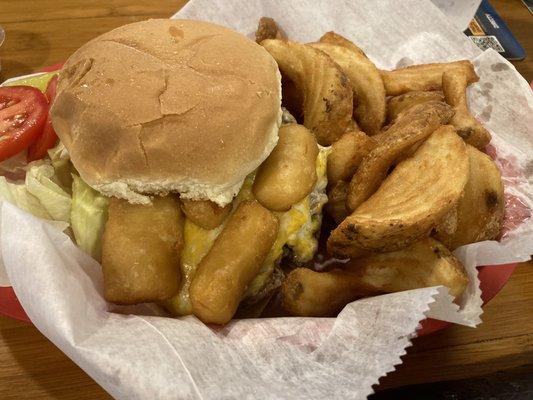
x: 308, y: 293
x: 346, y: 155
x: 367, y: 85
x: 232, y: 263
x: 205, y: 213
x: 323, y: 294
x: 289, y: 172
x: 327, y: 93
x: 412, y: 127
x: 397, y: 104
x: 268, y: 29
x: 339, y: 40
x: 410, y: 202
x: 141, y: 249
x: 424, y: 263
x: 480, y: 210
x: 424, y: 76
x: 454, y: 85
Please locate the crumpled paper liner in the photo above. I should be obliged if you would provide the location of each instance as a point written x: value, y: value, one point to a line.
x: 147, y: 356
x: 140, y: 357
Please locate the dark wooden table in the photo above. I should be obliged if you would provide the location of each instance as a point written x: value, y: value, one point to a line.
x: 41, y: 33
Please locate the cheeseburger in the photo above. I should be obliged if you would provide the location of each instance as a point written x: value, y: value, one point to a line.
x: 212, y: 190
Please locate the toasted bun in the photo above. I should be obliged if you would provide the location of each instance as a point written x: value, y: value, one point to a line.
x: 168, y: 106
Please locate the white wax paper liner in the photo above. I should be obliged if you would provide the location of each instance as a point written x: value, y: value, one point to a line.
x: 153, y: 357
x: 139, y: 357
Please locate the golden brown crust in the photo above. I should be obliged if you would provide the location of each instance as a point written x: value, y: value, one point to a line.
x: 411, y: 201
x: 205, y: 213
x: 422, y: 264
x: 424, y: 76
x: 367, y: 85
x: 398, y: 104
x: 454, y: 84
x: 327, y: 93
x: 346, y: 155
x: 169, y: 105
x: 410, y: 128
x: 141, y: 246
x: 233, y: 262
x: 289, y: 173
x: 268, y: 29
x: 480, y: 210
x: 323, y: 294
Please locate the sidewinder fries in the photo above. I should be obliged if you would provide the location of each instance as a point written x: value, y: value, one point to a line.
x: 327, y: 93
x: 233, y: 262
x: 140, y: 250
x: 397, y: 104
x: 424, y: 76
x: 205, y: 213
x: 322, y: 294
x: 479, y: 213
x: 412, y: 127
x: 454, y: 85
x: 367, y: 85
x: 410, y: 202
x: 289, y: 172
x: 346, y: 155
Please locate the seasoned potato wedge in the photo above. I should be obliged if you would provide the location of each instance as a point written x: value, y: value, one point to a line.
x: 410, y: 202
x: 346, y: 155
x: 339, y: 40
x: 308, y: 293
x: 397, y: 104
x: 289, y: 172
x: 326, y: 91
x: 454, y: 85
x: 424, y: 76
x: 480, y: 210
x: 323, y: 294
x: 367, y: 85
x: 412, y: 127
x: 268, y: 29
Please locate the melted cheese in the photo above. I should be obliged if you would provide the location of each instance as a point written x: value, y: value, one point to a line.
x: 196, y: 243
x: 297, y: 229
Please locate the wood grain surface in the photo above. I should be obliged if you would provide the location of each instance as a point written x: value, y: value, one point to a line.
x: 41, y: 33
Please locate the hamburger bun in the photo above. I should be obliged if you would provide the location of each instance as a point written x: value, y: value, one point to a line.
x: 164, y: 106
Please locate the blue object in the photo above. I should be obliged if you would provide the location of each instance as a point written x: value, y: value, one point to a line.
x: 487, y: 30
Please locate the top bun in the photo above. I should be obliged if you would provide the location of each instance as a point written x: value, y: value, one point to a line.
x: 164, y: 106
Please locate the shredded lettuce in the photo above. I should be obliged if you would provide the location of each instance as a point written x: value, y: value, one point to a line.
x: 60, y: 160
x: 39, y: 194
x: 18, y: 195
x: 53, y: 191
x: 87, y: 217
x: 53, y: 198
x: 39, y: 81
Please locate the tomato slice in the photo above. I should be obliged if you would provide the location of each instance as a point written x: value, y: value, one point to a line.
x: 46, y: 141
x: 23, y: 112
x: 51, y: 89
x: 49, y: 138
